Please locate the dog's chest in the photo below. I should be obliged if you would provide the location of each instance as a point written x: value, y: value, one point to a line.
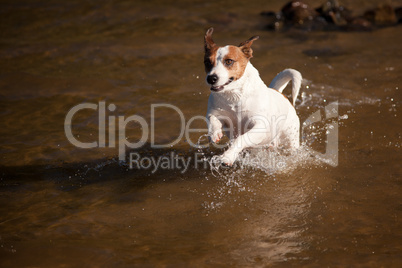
x: 238, y: 117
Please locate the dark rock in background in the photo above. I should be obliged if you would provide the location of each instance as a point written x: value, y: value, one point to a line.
x: 383, y: 15
x: 330, y: 16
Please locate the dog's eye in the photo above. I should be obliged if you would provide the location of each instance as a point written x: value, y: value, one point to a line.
x: 229, y: 62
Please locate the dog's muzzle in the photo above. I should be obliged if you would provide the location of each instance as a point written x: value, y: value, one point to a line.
x: 215, y: 78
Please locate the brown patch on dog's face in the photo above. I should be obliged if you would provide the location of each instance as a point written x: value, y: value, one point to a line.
x: 235, y: 61
x: 210, y: 58
x: 210, y: 51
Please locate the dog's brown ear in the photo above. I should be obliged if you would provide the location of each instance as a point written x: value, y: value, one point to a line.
x: 208, y: 41
x: 246, y: 46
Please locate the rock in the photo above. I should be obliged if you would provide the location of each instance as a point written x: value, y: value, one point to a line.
x: 383, y: 15
x: 334, y: 13
x: 297, y: 12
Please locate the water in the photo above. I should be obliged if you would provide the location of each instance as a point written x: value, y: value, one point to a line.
x: 66, y: 206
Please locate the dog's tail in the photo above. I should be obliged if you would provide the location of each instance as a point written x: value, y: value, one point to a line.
x: 283, y: 78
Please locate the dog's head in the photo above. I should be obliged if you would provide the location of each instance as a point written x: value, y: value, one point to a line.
x: 225, y: 65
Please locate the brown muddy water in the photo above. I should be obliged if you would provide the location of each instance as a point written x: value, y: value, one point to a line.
x: 64, y: 206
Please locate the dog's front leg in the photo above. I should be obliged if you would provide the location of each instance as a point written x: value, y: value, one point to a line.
x: 252, y: 138
x: 214, y: 129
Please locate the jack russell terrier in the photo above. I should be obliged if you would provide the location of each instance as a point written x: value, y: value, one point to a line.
x: 241, y: 105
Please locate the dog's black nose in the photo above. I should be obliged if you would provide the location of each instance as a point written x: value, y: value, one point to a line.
x: 211, y: 79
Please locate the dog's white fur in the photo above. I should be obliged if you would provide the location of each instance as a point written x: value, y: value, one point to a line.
x: 250, y: 113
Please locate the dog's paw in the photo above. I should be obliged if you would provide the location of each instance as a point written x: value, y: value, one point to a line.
x: 228, y: 159
x: 220, y: 161
x: 216, y: 136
